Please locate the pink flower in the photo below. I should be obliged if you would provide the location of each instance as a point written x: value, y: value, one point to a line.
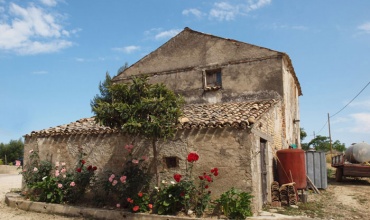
x: 112, y: 176
x: 130, y: 200
x: 114, y: 182
x: 150, y: 206
x: 63, y: 170
x: 136, y: 208
x: 35, y: 169
x: 72, y: 184
x: 123, y: 179
x: 192, y: 157
x: 129, y: 148
x: 140, y: 194
x: 57, y: 173
x: 145, y: 158
x: 60, y: 185
x: 134, y: 161
x: 118, y: 205
x: 17, y: 163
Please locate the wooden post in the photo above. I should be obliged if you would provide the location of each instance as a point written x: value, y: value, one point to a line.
x: 331, y: 146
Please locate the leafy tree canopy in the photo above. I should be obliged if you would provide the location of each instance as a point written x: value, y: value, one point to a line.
x: 139, y: 107
x: 11, y: 151
x: 322, y: 143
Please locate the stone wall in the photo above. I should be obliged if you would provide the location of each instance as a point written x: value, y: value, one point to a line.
x: 230, y: 150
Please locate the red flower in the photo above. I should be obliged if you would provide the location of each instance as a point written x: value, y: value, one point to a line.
x: 95, y: 168
x: 89, y: 168
x: 135, y: 208
x: 192, y: 157
x: 182, y: 194
x: 177, y: 177
x: 78, y: 170
x: 206, y: 187
x: 201, y: 177
x: 140, y: 194
x: 214, y: 171
x: 83, y: 161
x: 150, y: 206
x: 130, y: 200
x: 208, y: 178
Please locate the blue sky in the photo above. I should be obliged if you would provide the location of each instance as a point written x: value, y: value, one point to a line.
x: 54, y: 53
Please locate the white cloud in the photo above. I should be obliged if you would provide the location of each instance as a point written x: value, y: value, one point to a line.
x: 41, y: 72
x: 226, y: 11
x: 289, y: 27
x: 50, y: 3
x: 257, y: 4
x: 193, y: 11
x: 365, y: 27
x: 167, y: 34
x: 361, y: 104
x: 32, y: 30
x: 361, y: 123
x: 128, y: 49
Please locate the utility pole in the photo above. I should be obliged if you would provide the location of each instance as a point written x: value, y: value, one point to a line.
x: 331, y: 146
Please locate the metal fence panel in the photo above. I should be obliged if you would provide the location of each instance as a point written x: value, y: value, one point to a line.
x: 316, y: 168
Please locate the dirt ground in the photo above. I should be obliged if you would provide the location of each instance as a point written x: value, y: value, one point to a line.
x: 349, y: 199
x: 13, y: 181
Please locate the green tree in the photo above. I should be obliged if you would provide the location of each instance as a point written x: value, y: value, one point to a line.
x: 323, y: 143
x: 105, y: 95
x: 140, y: 108
x: 303, y: 135
x: 340, y: 147
x: 11, y: 151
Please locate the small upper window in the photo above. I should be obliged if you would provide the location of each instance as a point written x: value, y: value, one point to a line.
x: 213, y: 79
x: 171, y: 162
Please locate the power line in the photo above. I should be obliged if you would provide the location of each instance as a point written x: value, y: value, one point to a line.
x: 344, y: 107
x: 351, y: 100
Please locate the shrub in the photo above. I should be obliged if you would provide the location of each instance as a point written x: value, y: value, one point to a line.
x: 235, y: 205
x: 56, y: 185
x: 186, y: 194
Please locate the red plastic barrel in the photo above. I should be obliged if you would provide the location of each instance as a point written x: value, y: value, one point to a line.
x: 292, y: 167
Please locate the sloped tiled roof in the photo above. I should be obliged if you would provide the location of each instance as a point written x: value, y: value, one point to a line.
x: 239, y: 115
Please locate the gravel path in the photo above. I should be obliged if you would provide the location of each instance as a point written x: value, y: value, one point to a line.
x: 11, y: 181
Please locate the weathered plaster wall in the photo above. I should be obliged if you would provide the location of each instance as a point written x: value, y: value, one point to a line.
x: 230, y: 150
x: 106, y: 151
x: 291, y: 107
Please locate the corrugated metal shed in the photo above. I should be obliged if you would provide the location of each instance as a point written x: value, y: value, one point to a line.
x: 316, y: 168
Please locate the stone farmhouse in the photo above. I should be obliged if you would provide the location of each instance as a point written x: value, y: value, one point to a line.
x: 242, y: 104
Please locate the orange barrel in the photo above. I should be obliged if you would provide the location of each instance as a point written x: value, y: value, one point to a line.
x: 291, y: 167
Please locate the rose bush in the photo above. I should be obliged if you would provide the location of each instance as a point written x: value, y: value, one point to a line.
x: 56, y: 184
x: 187, y: 193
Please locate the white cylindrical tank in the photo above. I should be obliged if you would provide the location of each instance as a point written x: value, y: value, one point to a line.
x: 359, y: 153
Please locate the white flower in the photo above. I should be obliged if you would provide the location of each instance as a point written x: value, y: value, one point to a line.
x: 157, y: 188
x: 190, y: 212
x: 164, y: 181
x: 63, y: 164
x: 43, y: 178
x: 170, y: 195
x: 35, y: 169
x: 173, y: 182
x: 57, y: 164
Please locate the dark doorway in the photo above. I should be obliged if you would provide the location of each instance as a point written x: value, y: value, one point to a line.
x: 263, y: 165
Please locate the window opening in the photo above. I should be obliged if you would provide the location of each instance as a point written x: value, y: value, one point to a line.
x: 213, y: 79
x: 171, y: 162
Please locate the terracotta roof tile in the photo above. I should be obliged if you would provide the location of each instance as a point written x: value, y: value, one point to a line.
x: 240, y: 115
